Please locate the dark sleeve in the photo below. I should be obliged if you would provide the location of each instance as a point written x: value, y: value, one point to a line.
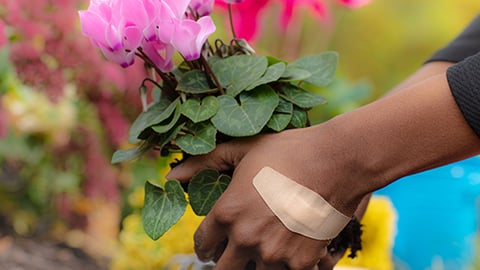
x: 464, y: 81
x: 464, y: 45
x: 464, y: 77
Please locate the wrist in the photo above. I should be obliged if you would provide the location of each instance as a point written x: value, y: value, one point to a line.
x: 417, y: 128
x: 342, y: 171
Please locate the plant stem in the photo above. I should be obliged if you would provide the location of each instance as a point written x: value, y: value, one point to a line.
x: 171, y: 84
x: 209, y: 70
x: 230, y: 16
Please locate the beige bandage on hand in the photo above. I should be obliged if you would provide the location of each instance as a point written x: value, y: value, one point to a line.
x: 300, y: 209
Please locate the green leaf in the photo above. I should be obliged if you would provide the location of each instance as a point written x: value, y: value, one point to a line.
x: 198, y: 112
x: 272, y: 74
x: 250, y: 116
x: 200, y: 141
x: 204, y: 190
x: 135, y: 152
x: 194, y: 82
x: 321, y: 66
x: 282, y: 116
x: 127, y: 154
x: 162, y: 208
x: 299, y: 118
x: 273, y: 60
x: 154, y: 115
x: 284, y: 107
x: 170, y: 123
x: 213, y: 59
x: 301, y: 97
x: 165, y: 138
x: 279, y: 121
x: 295, y: 74
x: 236, y: 73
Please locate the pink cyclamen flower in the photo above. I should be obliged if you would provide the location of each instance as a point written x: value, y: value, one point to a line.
x: 186, y: 35
x: 354, y: 3
x: 202, y: 7
x: 120, y: 27
x: 104, y: 24
x: 190, y: 36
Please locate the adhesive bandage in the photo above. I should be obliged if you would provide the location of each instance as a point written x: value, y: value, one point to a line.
x: 300, y: 209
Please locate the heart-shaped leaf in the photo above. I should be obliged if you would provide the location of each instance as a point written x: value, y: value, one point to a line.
x: 295, y: 74
x: 194, y: 82
x: 169, y: 123
x: 299, y: 118
x: 301, y: 97
x: 279, y: 121
x: 272, y: 74
x: 322, y: 67
x: 198, y: 112
x: 199, y: 140
x: 282, y: 116
x: 284, y: 107
x: 162, y: 207
x: 250, y: 116
x: 204, y: 190
x: 236, y: 73
x: 154, y: 115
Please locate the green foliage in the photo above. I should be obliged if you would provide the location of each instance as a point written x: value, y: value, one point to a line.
x: 163, y: 207
x: 200, y: 111
x: 237, y: 72
x: 234, y: 96
x: 204, y: 190
x: 247, y: 117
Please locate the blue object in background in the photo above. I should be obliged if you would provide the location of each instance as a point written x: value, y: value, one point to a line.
x: 437, y: 216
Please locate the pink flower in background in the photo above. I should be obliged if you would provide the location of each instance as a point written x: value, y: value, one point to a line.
x: 318, y: 7
x: 354, y: 3
x: 3, y: 35
x: 233, y: 1
x: 3, y: 122
x: 247, y: 14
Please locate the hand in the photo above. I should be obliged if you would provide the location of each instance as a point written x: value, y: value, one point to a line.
x: 241, y: 228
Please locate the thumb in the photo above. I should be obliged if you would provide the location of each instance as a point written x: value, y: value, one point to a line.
x: 225, y: 157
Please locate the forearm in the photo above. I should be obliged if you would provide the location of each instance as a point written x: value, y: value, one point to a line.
x: 417, y: 128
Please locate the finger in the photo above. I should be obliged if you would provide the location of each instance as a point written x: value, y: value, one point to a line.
x: 327, y: 263
x: 223, y: 158
x: 209, y: 239
x: 277, y: 266
x: 232, y: 259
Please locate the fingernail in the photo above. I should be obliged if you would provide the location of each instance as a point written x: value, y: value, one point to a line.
x: 173, y: 172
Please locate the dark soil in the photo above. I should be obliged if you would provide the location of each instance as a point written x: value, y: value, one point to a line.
x: 22, y: 253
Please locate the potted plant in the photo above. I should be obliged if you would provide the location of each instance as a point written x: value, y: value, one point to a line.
x: 213, y: 92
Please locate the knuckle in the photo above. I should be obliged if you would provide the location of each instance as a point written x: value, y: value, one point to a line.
x: 269, y: 256
x: 223, y: 213
x: 244, y: 237
x: 302, y: 264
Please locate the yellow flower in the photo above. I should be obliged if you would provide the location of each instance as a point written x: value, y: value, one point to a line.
x: 137, y: 251
x: 377, y: 239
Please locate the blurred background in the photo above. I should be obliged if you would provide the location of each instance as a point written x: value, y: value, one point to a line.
x: 64, y: 110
